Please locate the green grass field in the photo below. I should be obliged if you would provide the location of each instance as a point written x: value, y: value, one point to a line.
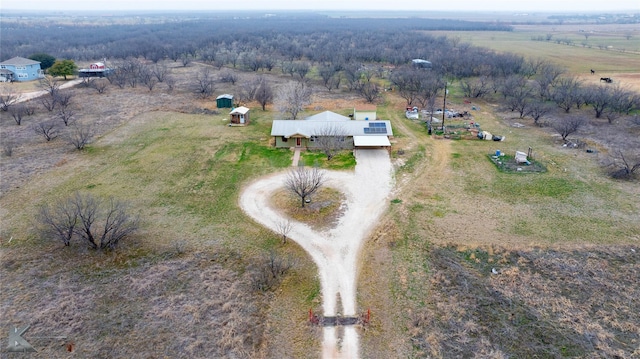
x: 605, y: 50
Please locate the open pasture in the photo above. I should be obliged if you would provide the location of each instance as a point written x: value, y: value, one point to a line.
x: 611, y: 50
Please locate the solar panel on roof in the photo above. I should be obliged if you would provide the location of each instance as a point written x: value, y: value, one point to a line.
x: 376, y: 127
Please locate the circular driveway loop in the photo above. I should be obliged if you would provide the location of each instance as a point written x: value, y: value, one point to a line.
x: 335, y: 251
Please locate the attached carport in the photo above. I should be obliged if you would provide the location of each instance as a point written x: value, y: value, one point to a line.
x: 371, y: 142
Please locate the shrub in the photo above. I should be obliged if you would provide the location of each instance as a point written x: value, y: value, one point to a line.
x: 101, y: 224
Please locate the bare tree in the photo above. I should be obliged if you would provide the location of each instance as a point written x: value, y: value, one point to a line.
x: 304, y: 182
x: 100, y: 224
x: 185, y: 59
x: 268, y: 271
x: 66, y: 115
x: 612, y: 114
x: 352, y: 74
x: 537, y: 110
x: 79, y: 136
x: 252, y: 61
x: 302, y: 69
x: 269, y: 62
x: 99, y: 85
x: 415, y: 84
x: 132, y: 69
x: 63, y: 98
x: 47, y: 129
x: 520, y: 100
x: 229, y: 77
x: 567, y: 125
x: 625, y: 162
x: 292, y: 98
x: 283, y: 227
x: 29, y: 108
x: 147, y: 77
x: 50, y: 84
x: 160, y: 72
x: 248, y: 88
x: 430, y: 85
x: 368, y: 90
x: 7, y: 100
x: 327, y: 74
x: 118, y: 77
x: 599, y: 97
x: 511, y: 85
x: 629, y: 101
x: 546, y: 77
x: 264, y: 94
x: 330, y: 139
x: 48, y: 102
x: 204, y: 83
x: 566, y: 93
x: 17, y: 112
x: 170, y: 81
x: 59, y: 220
x: 476, y: 88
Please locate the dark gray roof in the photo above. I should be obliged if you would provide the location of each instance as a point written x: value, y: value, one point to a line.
x: 18, y: 61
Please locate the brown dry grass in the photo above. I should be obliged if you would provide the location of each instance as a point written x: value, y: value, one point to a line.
x: 170, y: 305
x: 323, y: 212
x: 542, y: 303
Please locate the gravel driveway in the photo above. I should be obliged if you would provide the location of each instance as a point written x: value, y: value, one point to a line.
x: 335, y: 251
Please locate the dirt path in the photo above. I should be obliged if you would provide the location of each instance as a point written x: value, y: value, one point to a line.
x: 35, y: 94
x: 335, y: 251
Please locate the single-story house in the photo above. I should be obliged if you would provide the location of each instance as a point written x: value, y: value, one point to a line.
x: 239, y: 116
x: 357, y: 134
x: 224, y: 101
x: 20, y: 69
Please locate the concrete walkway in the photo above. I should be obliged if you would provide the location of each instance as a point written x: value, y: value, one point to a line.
x: 296, y: 157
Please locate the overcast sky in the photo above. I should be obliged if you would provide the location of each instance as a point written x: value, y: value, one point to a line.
x: 396, y: 5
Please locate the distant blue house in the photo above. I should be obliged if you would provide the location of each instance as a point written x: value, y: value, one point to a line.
x: 20, y: 69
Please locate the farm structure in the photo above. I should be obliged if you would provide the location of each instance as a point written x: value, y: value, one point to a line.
x: 224, y: 101
x: 96, y: 69
x: 20, y: 69
x: 239, y: 116
x: 421, y: 64
x: 365, y: 113
x: 354, y: 134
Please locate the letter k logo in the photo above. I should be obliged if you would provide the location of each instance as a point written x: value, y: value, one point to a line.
x: 17, y: 342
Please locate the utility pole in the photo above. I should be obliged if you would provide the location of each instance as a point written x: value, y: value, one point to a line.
x: 444, y: 105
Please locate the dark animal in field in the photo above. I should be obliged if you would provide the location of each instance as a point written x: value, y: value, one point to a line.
x: 606, y: 79
x: 593, y: 71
